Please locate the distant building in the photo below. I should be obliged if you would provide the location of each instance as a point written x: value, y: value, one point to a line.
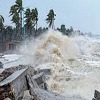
x: 6, y: 46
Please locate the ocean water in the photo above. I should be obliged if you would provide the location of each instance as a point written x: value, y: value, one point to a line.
x: 74, y: 62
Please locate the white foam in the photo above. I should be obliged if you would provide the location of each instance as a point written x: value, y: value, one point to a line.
x: 69, y: 60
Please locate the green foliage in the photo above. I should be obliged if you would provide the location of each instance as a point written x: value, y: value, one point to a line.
x: 50, y: 18
x: 31, y: 19
x: 16, y: 9
x: 16, y: 13
x: 1, y: 22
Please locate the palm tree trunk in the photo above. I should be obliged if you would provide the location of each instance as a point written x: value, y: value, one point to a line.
x: 2, y: 40
x: 36, y: 29
x: 53, y: 24
x: 36, y: 26
x: 21, y: 25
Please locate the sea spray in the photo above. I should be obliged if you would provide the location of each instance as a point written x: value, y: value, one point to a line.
x: 70, y: 74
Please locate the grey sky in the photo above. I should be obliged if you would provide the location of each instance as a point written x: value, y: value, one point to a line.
x: 81, y: 14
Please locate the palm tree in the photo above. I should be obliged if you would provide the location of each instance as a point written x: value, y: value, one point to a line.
x: 15, y: 19
x: 9, y: 33
x: 1, y: 22
x: 19, y: 8
x: 31, y: 19
x: 28, y: 20
x: 35, y: 16
x: 50, y: 18
x: 16, y: 13
x: 1, y: 31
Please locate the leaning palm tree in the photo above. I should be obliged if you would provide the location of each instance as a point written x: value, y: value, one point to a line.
x: 50, y: 18
x: 16, y: 13
x: 35, y: 16
x: 19, y: 8
x: 1, y: 22
x: 28, y: 20
x: 2, y: 28
x: 31, y: 19
x: 1, y: 19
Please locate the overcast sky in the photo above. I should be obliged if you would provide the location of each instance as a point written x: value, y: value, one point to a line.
x: 81, y: 14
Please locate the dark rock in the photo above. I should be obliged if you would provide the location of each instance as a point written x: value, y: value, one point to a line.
x: 1, y: 65
x: 41, y: 94
x: 96, y: 95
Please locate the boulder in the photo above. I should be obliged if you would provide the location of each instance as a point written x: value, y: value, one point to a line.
x: 27, y: 95
x: 96, y: 95
x: 7, y: 99
x: 1, y: 65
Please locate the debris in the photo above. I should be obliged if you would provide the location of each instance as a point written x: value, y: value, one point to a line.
x: 14, y: 84
x: 24, y: 83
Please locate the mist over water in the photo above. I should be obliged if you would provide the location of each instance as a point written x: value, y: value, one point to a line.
x: 74, y: 62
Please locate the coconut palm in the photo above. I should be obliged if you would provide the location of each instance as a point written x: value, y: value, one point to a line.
x: 35, y: 16
x: 31, y: 19
x: 19, y: 8
x: 1, y: 29
x: 1, y: 22
x: 28, y: 20
x: 15, y: 19
x: 50, y: 18
x: 9, y: 32
x: 16, y: 13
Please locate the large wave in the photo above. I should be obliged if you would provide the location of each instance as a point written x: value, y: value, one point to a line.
x: 66, y: 57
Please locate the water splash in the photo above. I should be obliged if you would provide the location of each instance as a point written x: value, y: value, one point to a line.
x: 65, y: 56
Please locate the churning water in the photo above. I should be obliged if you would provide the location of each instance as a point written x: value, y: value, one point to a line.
x: 74, y: 62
